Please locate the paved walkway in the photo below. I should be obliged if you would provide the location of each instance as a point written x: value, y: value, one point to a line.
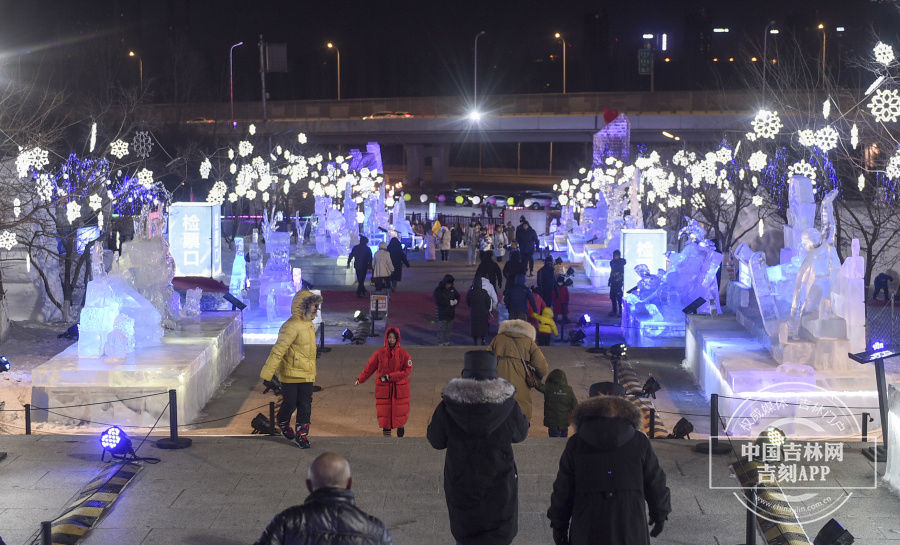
x: 223, y: 491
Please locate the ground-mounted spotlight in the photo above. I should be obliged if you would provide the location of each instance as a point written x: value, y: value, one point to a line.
x: 4, y: 364
x: 117, y: 443
x: 359, y: 316
x: 584, y: 320
x: 651, y: 386
x: 262, y: 425
x: 618, y: 351
x: 682, y: 430
x: 347, y: 335
x: 833, y: 534
x: 772, y: 436
x: 606, y: 388
x: 576, y: 337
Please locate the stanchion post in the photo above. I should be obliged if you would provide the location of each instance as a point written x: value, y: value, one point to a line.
x: 615, y: 366
x: 596, y: 348
x: 173, y: 442
x: 322, y: 348
x: 865, y: 427
x: 374, y: 314
x: 750, y: 529
x: 652, y: 422
x: 46, y: 533
x: 713, y: 447
x: 27, y: 419
x: 272, y: 417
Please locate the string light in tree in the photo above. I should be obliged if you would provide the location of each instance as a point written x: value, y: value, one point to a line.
x: 757, y: 200
x: 861, y: 182
x: 251, y: 129
x: 145, y: 177
x: 118, y: 148
x: 17, y: 207
x: 245, y: 148
x: 93, y: 141
x: 883, y: 53
x: 301, y: 137
x: 34, y: 158
x: 95, y: 202
x: 854, y: 136
x: 7, y: 240
x: 892, y: 170
x: 807, y: 138
x: 826, y: 108
x: 802, y: 168
x: 205, y: 167
x: 100, y: 221
x: 826, y: 139
x: 766, y: 124
x: 885, y: 105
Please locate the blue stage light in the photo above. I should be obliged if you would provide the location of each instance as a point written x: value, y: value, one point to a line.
x: 587, y: 318
x: 115, y: 441
x: 4, y: 364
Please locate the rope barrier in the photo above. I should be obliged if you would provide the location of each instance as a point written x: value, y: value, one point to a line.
x: 95, y: 422
x: 224, y: 417
x: 99, y: 402
x: 152, y: 428
x: 798, y: 404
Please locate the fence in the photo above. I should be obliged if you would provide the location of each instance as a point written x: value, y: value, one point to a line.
x: 882, y: 323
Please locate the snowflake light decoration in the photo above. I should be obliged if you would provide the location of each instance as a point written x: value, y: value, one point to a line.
x: 854, y: 136
x: 757, y: 161
x: 723, y: 155
x: 205, y: 167
x: 826, y: 139
x: 766, y: 124
x: 17, y: 207
x: 826, y: 108
x: 861, y: 182
x: 661, y: 221
x: 44, y: 187
x: 883, y: 53
x: 245, y: 148
x: 893, y: 167
x: 95, y: 202
x: 232, y: 197
x: 301, y: 138
x: 217, y: 193
x: 35, y: 158
x: 118, y: 148
x: 142, y: 144
x: 73, y: 211
x: 807, y: 138
x: 757, y: 200
x: 7, y: 240
x: 802, y: 168
x: 145, y: 177
x: 885, y: 105
x: 251, y: 129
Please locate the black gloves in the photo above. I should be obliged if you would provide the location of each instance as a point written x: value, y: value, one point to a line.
x: 561, y: 536
x: 657, y: 527
x: 273, y: 385
x: 384, y: 378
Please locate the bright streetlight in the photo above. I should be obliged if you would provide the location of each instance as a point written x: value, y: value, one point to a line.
x: 231, y: 79
x: 474, y: 115
x: 560, y: 37
x: 766, y: 31
x: 140, y: 67
x: 331, y: 45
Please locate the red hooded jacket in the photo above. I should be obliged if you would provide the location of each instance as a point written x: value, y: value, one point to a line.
x: 391, y: 396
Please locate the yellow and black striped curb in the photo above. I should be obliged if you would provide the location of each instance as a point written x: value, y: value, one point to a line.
x: 91, y: 503
x: 629, y: 380
x: 780, y: 526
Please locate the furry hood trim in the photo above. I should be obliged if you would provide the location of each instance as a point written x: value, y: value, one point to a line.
x: 302, y: 305
x: 608, y: 407
x: 469, y: 391
x: 517, y: 327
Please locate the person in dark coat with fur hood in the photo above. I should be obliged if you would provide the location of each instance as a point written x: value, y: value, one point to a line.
x: 477, y: 421
x: 607, y: 473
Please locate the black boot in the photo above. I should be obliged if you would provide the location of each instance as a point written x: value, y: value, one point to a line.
x: 302, y: 438
x: 400, y: 431
x: 286, y: 430
x: 386, y: 432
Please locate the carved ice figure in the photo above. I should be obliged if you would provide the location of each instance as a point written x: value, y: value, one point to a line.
x: 192, y: 303
x: 801, y: 216
x: 818, y: 274
x: 849, y: 301
x: 401, y: 224
x: 238, y: 280
x: 351, y: 226
x: 276, y: 280
x: 254, y: 261
x: 323, y: 204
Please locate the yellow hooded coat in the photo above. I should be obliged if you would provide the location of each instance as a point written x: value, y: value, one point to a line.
x: 294, y: 355
x: 545, y: 321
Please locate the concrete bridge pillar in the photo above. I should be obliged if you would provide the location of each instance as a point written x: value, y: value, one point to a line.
x: 440, y: 163
x: 415, y: 164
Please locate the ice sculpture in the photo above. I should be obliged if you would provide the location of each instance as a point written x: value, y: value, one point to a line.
x: 149, y: 268
x: 115, y: 318
x: 811, y: 309
x: 400, y: 223
x: 655, y: 308
x: 254, y: 262
x: 238, y: 280
x: 614, y: 140
x: 276, y: 283
x: 192, y: 303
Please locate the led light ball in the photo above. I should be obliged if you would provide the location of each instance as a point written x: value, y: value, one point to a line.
x: 510, y: 201
x: 476, y: 200
x: 442, y: 198
x: 459, y: 199
x: 773, y: 436
x: 528, y: 203
x: 407, y: 197
x: 423, y: 198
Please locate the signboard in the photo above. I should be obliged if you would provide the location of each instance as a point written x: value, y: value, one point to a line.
x: 645, y: 62
x: 642, y: 246
x: 195, y: 239
x: 378, y: 303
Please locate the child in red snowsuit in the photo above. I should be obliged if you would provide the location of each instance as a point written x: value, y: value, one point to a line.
x: 561, y: 303
x: 393, y: 365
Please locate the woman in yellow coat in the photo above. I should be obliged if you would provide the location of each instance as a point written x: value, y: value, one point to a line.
x: 293, y: 358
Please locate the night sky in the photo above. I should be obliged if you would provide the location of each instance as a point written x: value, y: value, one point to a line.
x: 398, y: 48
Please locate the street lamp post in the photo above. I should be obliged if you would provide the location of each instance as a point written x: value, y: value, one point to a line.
x: 822, y: 28
x: 231, y: 79
x: 140, y: 67
x: 560, y: 37
x: 475, y: 79
x: 330, y: 45
x: 765, y: 59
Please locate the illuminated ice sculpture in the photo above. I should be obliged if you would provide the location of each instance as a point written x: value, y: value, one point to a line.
x: 655, y: 308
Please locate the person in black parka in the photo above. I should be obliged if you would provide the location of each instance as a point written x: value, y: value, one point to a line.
x: 477, y: 421
x: 606, y: 474
x: 361, y: 255
x: 479, y: 303
x: 398, y: 259
x: 514, y: 267
x: 546, y: 282
x: 489, y: 269
x: 517, y: 298
x: 445, y: 299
